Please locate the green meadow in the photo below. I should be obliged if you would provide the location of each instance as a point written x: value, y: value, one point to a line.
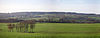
x: 55, y: 30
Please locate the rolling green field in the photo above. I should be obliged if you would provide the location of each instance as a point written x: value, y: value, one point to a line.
x: 55, y: 30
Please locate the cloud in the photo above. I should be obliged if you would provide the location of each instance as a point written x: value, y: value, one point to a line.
x: 50, y: 5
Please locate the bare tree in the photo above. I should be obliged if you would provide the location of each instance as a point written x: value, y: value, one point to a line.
x: 11, y: 27
x: 27, y: 23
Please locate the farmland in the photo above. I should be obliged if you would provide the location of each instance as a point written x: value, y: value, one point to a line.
x: 55, y: 30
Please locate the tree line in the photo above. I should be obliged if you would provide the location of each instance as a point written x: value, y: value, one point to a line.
x: 23, y: 26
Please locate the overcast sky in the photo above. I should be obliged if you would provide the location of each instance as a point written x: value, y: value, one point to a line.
x: 81, y: 6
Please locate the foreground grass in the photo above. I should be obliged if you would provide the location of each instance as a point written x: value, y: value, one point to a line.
x: 55, y: 30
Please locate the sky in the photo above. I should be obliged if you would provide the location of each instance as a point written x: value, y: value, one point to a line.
x: 80, y: 6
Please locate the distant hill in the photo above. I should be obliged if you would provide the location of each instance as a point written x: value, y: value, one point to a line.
x: 49, y: 15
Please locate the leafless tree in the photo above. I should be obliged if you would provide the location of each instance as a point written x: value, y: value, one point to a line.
x: 11, y: 27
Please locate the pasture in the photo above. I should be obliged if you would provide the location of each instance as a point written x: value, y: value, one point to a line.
x: 55, y: 30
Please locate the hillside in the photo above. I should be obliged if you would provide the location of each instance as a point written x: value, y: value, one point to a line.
x: 53, y: 16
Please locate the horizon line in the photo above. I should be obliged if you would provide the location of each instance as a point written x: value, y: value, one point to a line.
x: 52, y: 11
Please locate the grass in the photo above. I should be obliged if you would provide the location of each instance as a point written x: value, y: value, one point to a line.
x: 55, y: 30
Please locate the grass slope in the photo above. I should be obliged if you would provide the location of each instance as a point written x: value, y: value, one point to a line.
x: 55, y: 30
